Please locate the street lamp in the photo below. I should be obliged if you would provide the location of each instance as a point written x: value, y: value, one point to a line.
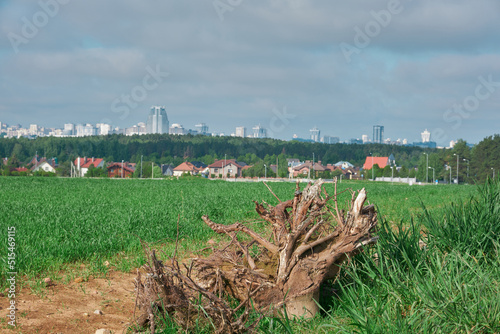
x: 265, y: 171
x: 467, y: 167
x: 433, y: 175
x: 224, y: 168
x: 122, y: 169
x: 449, y: 166
x: 493, y: 169
x: 427, y: 170
x: 141, y: 166
x: 457, y: 166
x: 392, y: 174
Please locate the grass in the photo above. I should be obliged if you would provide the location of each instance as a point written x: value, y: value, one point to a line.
x: 449, y: 286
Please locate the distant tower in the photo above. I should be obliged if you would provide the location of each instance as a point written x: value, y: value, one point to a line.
x: 241, y: 131
x: 378, y: 134
x: 157, y: 120
x: 259, y: 132
x: 365, y: 139
x: 315, y: 134
x: 426, y: 136
x: 202, y: 128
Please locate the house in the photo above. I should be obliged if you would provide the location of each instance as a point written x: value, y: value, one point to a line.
x: 120, y: 169
x: 43, y: 166
x: 344, y: 164
x: 303, y: 169
x: 380, y: 161
x: 82, y: 165
x: 21, y: 169
x: 226, y: 167
x: 167, y: 170
x: 187, y: 168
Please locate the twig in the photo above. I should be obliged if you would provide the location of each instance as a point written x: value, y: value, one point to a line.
x: 272, y: 192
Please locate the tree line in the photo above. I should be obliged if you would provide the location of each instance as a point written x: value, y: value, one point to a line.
x: 173, y: 149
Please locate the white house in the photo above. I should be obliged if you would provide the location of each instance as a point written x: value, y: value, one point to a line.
x: 44, y: 166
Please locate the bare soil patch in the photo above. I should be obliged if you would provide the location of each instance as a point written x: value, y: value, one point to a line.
x: 69, y: 308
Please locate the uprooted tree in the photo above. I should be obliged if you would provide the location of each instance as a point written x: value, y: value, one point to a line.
x: 306, y: 244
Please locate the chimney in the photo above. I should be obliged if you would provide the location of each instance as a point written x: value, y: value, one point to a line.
x: 92, y: 159
x: 319, y: 162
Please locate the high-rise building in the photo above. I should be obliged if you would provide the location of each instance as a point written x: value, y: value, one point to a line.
x: 241, y: 131
x: 315, y: 134
x: 33, y: 129
x: 378, y: 134
x: 426, y: 136
x: 365, y: 139
x: 69, y: 129
x: 103, y: 129
x: 176, y: 129
x: 157, y: 120
x: 201, y: 128
x: 330, y: 140
x: 259, y: 132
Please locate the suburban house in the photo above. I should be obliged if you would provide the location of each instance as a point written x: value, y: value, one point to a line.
x: 120, y: 169
x: 371, y: 161
x: 303, y: 169
x: 167, y: 170
x: 43, y: 166
x: 188, y: 168
x: 82, y: 165
x: 226, y: 168
x: 344, y: 164
x: 21, y: 169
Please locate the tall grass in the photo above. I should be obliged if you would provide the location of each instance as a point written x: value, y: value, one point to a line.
x: 402, y: 286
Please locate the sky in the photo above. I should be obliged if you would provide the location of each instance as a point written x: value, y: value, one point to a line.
x: 288, y: 65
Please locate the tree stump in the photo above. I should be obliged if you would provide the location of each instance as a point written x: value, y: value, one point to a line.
x: 306, y: 243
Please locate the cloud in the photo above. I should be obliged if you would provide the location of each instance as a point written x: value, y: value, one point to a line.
x: 263, y: 55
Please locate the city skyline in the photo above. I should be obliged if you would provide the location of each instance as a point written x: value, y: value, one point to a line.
x: 286, y: 65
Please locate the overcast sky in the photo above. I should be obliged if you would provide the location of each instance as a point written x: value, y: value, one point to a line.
x: 288, y: 65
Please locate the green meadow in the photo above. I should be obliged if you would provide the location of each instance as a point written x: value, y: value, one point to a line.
x: 448, y: 284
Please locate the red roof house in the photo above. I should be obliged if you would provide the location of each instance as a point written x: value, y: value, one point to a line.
x: 118, y: 169
x: 82, y: 165
x: 380, y: 161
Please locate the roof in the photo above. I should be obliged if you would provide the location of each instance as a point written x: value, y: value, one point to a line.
x: 86, y: 162
x: 21, y: 169
x: 340, y: 163
x: 220, y: 163
x: 185, y: 167
x: 119, y: 165
x: 309, y: 165
x: 380, y: 161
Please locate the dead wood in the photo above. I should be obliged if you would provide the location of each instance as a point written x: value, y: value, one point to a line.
x: 309, y: 241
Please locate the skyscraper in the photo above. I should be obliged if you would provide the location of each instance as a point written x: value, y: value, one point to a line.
x: 378, y: 134
x: 426, y: 136
x: 259, y: 132
x: 315, y: 134
x: 157, y: 120
x: 241, y: 131
x: 202, y: 128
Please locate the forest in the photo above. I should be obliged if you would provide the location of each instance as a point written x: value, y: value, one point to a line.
x: 474, y: 163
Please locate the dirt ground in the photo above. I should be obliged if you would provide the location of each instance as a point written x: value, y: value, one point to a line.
x: 69, y: 308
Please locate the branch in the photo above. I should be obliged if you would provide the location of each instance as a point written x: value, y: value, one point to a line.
x: 272, y: 192
x: 238, y: 227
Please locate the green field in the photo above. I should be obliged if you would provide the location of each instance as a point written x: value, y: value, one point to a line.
x: 451, y: 285
x: 59, y: 220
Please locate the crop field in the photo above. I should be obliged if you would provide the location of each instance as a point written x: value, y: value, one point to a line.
x: 63, y: 220
x: 449, y: 285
